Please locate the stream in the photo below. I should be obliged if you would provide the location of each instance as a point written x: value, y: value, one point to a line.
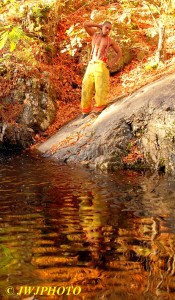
x: 67, y: 232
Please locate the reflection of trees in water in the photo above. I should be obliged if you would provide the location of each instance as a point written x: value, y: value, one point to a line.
x: 107, y: 251
x: 161, y: 260
x: 146, y: 258
x: 135, y: 254
x: 83, y: 236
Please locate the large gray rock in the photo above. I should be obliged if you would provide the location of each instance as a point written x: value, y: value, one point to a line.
x: 146, y: 118
x: 35, y: 99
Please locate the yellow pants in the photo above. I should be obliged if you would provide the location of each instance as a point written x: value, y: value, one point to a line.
x: 96, y: 80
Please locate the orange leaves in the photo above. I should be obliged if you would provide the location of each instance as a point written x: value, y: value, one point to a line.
x: 10, y: 112
x: 65, y: 113
x: 5, y: 86
x: 64, y: 78
x: 134, y: 155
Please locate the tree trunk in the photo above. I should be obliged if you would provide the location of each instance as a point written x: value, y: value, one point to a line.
x: 161, y: 51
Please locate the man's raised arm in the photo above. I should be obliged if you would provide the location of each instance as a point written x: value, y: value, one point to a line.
x: 90, y: 27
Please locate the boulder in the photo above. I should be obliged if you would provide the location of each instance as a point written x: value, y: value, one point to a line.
x: 144, y: 119
x: 33, y: 98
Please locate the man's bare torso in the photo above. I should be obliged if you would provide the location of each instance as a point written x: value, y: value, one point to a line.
x: 100, y: 45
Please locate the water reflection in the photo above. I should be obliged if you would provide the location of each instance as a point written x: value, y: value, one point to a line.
x: 110, y: 234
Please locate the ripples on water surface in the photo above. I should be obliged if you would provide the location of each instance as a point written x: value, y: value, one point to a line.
x: 112, y: 235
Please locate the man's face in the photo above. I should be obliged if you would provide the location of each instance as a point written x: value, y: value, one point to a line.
x: 106, y: 28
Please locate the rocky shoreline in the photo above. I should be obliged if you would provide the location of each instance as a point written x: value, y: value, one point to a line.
x: 146, y: 119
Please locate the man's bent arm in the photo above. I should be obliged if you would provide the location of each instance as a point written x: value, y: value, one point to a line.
x: 118, y: 52
x: 89, y: 27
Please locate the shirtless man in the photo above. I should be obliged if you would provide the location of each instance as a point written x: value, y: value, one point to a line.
x: 96, y: 78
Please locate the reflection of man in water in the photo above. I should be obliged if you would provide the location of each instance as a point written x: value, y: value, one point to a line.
x: 93, y: 218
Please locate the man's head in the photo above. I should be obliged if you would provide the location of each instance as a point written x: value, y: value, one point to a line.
x: 106, y: 27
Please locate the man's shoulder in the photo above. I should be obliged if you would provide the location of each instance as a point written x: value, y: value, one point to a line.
x: 112, y: 42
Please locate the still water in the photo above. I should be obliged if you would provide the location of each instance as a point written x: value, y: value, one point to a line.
x: 71, y: 233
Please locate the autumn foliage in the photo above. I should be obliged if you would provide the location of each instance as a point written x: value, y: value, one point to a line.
x: 51, y: 39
